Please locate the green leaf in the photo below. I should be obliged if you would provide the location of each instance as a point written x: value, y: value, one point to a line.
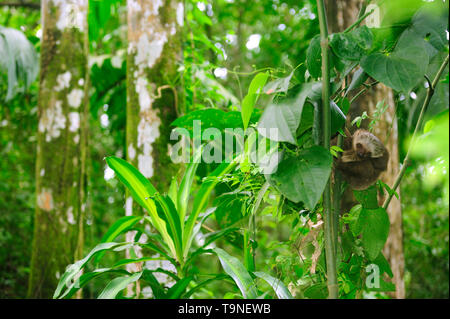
x: 359, y: 77
x: 118, y: 284
x: 383, y: 264
x: 157, y: 288
x: 236, y: 270
x: 277, y: 285
x: 74, y: 269
x: 278, y: 85
x: 201, y: 200
x: 179, y: 288
x: 403, y: 68
x: 186, y: 183
x: 314, y: 57
x: 303, y: 178
x: 143, y: 192
x: 431, y: 22
x: 120, y: 226
x: 351, y: 46
x: 19, y: 59
x: 368, y: 198
x: 317, y: 291
x: 374, y: 224
x: 203, y: 284
x: 249, y: 101
x: 284, y: 117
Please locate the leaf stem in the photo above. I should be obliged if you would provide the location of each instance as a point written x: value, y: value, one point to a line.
x: 330, y: 233
x: 357, y: 22
x: 406, y: 161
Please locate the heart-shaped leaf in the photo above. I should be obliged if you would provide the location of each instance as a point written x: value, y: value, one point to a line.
x: 403, y: 68
x: 303, y: 178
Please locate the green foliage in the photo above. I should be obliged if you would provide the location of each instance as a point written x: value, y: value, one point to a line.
x: 18, y: 59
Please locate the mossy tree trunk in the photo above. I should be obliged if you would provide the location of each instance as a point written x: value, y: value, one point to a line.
x: 61, y: 146
x: 153, y: 95
x: 341, y: 14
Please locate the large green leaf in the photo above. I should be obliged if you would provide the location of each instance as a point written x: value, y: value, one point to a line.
x: 431, y: 22
x: 284, y: 117
x: 277, y: 285
x: 201, y: 200
x: 303, y: 178
x: 18, y: 58
x: 186, y: 183
x: 254, y: 90
x: 236, y: 270
x: 352, y: 46
x: 118, y: 284
x: 374, y: 225
x: 144, y: 193
x: 403, y: 68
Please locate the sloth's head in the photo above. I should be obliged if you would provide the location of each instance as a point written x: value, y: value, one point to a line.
x: 367, y: 145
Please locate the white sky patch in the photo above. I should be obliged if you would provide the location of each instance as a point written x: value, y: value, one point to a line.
x: 104, y: 120
x: 413, y: 95
x: 253, y: 41
x: 70, y: 217
x: 231, y: 38
x: 201, y: 6
x: 281, y: 27
x: 42, y: 172
x: 63, y: 81
x: 108, y: 173
x: 180, y: 14
x: 75, y: 97
x: 39, y: 33
x: 76, y: 139
x: 116, y: 62
x: 221, y: 73
x: 74, y: 118
x: 81, y: 82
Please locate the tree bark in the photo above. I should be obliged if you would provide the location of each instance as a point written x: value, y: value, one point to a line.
x: 341, y: 15
x: 61, y: 144
x: 154, y: 56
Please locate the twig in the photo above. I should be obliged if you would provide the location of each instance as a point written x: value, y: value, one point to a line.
x: 357, y: 22
x: 406, y: 161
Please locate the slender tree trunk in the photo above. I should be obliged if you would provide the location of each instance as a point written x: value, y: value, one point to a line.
x: 154, y: 56
x: 61, y: 149
x: 341, y: 15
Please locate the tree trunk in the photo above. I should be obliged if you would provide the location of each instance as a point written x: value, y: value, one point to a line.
x: 154, y: 56
x: 61, y: 146
x: 342, y: 14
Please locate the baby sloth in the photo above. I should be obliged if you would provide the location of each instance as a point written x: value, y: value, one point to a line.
x: 363, y: 160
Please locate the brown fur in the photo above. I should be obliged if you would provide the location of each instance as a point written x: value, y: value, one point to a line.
x: 363, y: 160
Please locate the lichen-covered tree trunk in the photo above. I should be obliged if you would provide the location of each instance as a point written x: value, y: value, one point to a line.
x: 61, y: 146
x: 342, y: 14
x: 153, y: 97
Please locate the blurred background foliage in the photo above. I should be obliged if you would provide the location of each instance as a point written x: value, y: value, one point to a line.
x: 226, y: 42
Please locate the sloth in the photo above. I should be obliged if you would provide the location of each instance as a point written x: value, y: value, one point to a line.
x: 363, y: 160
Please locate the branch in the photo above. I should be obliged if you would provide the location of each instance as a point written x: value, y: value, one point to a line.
x: 30, y: 5
x: 330, y: 233
x: 406, y: 161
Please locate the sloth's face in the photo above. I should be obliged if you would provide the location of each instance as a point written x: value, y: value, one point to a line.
x: 361, y: 151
